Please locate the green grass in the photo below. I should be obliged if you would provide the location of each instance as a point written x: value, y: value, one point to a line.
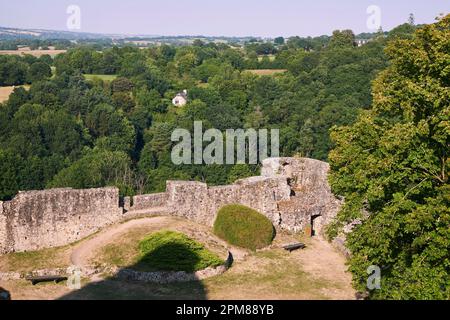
x: 270, y: 56
x: 266, y: 72
x: 243, y: 227
x: 174, y: 251
x: 34, y: 260
x: 104, y: 77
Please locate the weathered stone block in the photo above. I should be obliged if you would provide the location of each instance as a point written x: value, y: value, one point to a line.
x: 148, y: 201
x: 56, y: 217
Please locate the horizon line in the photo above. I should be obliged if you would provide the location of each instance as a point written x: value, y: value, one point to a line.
x: 143, y: 35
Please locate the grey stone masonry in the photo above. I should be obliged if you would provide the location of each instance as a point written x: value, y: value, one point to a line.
x: 292, y: 192
x: 40, y: 219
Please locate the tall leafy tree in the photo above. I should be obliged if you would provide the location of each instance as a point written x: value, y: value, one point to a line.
x: 392, y: 168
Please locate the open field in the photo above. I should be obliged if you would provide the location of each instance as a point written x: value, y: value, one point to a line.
x: 317, y: 272
x: 6, y: 91
x: 270, y: 56
x: 36, y: 53
x: 104, y: 77
x: 266, y: 72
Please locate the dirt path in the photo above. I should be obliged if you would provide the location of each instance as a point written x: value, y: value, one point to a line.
x: 322, y: 261
x: 84, y: 250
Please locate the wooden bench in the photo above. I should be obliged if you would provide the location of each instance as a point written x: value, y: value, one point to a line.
x: 36, y: 280
x: 294, y: 246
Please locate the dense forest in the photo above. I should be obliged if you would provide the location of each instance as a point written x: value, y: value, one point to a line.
x: 66, y: 130
x: 69, y: 131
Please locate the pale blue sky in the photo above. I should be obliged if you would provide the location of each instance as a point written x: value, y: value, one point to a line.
x: 265, y: 18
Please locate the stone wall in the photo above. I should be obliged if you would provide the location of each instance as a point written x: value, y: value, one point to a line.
x: 2, y: 229
x: 292, y: 192
x: 145, y: 201
x: 200, y: 203
x: 40, y: 219
x: 312, y: 204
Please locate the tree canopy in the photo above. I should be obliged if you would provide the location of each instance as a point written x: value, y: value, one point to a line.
x: 392, y: 166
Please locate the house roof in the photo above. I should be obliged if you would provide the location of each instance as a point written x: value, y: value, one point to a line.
x: 182, y: 94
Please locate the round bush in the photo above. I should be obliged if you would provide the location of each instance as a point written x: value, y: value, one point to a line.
x: 243, y: 227
x: 174, y: 251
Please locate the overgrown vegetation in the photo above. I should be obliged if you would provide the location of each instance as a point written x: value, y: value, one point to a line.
x: 244, y: 227
x: 392, y: 167
x: 174, y: 251
x: 16, y: 70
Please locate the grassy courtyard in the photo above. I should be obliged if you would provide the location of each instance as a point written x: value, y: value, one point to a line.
x: 317, y: 272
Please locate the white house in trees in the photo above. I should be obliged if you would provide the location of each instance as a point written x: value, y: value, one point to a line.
x: 180, y: 99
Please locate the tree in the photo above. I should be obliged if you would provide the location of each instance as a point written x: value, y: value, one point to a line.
x: 392, y: 168
x: 412, y: 19
x: 97, y: 168
x: 198, y: 43
x: 403, y: 31
x: 116, y: 131
x: 342, y: 39
x: 167, y: 52
x: 121, y: 84
x: 123, y: 100
x: 279, y: 41
x: 39, y: 71
x: 13, y: 71
x: 9, y: 174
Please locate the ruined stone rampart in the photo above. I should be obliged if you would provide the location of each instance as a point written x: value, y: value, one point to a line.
x: 312, y: 204
x: 292, y: 192
x: 2, y: 229
x: 145, y: 201
x: 50, y: 218
x: 200, y: 203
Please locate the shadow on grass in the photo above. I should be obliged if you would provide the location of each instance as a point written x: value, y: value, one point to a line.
x: 168, y: 257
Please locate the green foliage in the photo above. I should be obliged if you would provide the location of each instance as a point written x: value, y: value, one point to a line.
x: 392, y: 168
x: 342, y: 39
x: 243, y: 227
x: 279, y: 40
x: 13, y: 70
x: 174, y: 251
x: 241, y: 171
x: 97, y: 168
x: 39, y: 71
x: 121, y: 85
x: 128, y: 108
x: 112, y: 127
x: 9, y: 174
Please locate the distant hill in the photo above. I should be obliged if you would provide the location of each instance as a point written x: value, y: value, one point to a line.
x: 7, y: 33
x: 15, y: 33
x: 21, y: 35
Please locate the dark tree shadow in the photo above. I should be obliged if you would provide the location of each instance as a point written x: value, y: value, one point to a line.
x: 170, y: 257
x: 161, y: 259
x: 4, y: 294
